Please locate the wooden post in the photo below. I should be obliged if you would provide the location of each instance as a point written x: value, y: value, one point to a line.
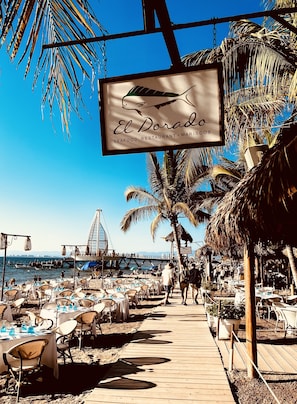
x: 218, y: 325
x: 250, y: 309
x: 231, y: 353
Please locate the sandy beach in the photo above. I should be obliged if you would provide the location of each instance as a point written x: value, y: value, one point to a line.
x: 89, y: 364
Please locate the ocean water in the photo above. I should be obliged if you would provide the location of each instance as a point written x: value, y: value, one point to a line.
x: 26, y: 273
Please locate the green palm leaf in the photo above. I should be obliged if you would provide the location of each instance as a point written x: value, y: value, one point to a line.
x: 28, y: 25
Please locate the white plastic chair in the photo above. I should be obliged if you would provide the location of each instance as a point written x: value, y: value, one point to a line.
x: 290, y: 317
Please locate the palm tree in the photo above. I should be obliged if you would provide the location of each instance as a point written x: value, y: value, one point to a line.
x: 260, y: 77
x: 25, y: 26
x: 171, y: 196
x: 260, y: 80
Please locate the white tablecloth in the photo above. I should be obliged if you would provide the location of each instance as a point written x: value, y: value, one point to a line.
x: 49, y: 356
x: 122, y: 309
x: 59, y: 316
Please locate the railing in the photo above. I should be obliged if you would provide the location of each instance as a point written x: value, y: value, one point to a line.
x: 208, y: 300
x: 231, y: 362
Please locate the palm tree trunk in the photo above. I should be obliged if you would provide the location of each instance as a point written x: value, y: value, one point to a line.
x: 292, y: 263
x: 177, y: 243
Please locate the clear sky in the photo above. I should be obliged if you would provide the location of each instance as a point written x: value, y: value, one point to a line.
x: 51, y: 186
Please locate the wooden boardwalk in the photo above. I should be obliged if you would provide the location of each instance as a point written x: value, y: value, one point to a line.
x: 172, y: 358
x: 273, y: 356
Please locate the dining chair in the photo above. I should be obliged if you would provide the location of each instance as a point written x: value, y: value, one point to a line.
x: 119, y: 295
x: 132, y: 296
x: 86, y: 324
x: 66, y: 284
x: 84, y: 283
x: 78, y: 295
x: 63, y: 301
x: 50, y: 306
x: 144, y: 292
x: 86, y: 302
x: 280, y: 319
x: 10, y: 295
x: 64, y: 336
x: 110, y: 309
x: 292, y: 300
x: 290, y: 317
x: 46, y: 291
x: 3, y: 307
x: 17, y: 305
x: 40, y: 322
x: 99, y: 308
x: 24, y: 361
x: 45, y: 287
x: 265, y: 304
x: 42, y: 296
x: 25, y: 290
x: 66, y: 293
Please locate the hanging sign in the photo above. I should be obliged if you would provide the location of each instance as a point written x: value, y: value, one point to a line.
x: 186, y: 250
x: 162, y: 110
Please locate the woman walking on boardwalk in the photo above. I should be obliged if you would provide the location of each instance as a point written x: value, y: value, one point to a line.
x: 183, y: 279
x: 195, y: 282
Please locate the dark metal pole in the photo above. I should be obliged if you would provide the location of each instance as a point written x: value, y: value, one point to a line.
x: 74, y: 264
x: 270, y: 13
x: 4, y: 266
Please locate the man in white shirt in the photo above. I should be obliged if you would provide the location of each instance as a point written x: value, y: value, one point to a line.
x: 167, y: 280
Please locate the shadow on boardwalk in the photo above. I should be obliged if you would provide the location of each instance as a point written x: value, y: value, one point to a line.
x: 173, y: 357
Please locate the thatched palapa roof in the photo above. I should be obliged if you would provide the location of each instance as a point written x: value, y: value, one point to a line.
x: 182, y: 234
x: 263, y: 205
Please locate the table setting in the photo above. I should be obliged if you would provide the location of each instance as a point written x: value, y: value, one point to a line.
x: 13, y: 333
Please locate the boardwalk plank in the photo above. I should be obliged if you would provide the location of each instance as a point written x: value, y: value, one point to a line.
x: 271, y: 357
x: 173, y: 358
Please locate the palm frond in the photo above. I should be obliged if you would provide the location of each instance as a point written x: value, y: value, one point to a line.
x: 155, y: 224
x: 155, y: 174
x: 181, y: 207
x: 141, y: 195
x: 136, y: 215
x: 29, y: 24
x: 220, y: 171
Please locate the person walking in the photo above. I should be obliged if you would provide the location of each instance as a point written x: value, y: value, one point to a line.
x: 195, y: 282
x: 183, y: 278
x: 167, y: 280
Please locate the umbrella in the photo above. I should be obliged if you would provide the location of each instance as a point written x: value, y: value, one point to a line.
x: 89, y: 265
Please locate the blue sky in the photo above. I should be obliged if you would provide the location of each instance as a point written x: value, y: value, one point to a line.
x: 51, y: 185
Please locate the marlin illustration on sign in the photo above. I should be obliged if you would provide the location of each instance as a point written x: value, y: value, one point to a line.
x: 139, y: 98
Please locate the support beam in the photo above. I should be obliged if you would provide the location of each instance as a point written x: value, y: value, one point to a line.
x: 150, y: 20
x: 250, y: 309
x: 159, y: 7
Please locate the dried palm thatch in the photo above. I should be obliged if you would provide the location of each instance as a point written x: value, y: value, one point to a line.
x: 263, y: 206
x: 182, y: 235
